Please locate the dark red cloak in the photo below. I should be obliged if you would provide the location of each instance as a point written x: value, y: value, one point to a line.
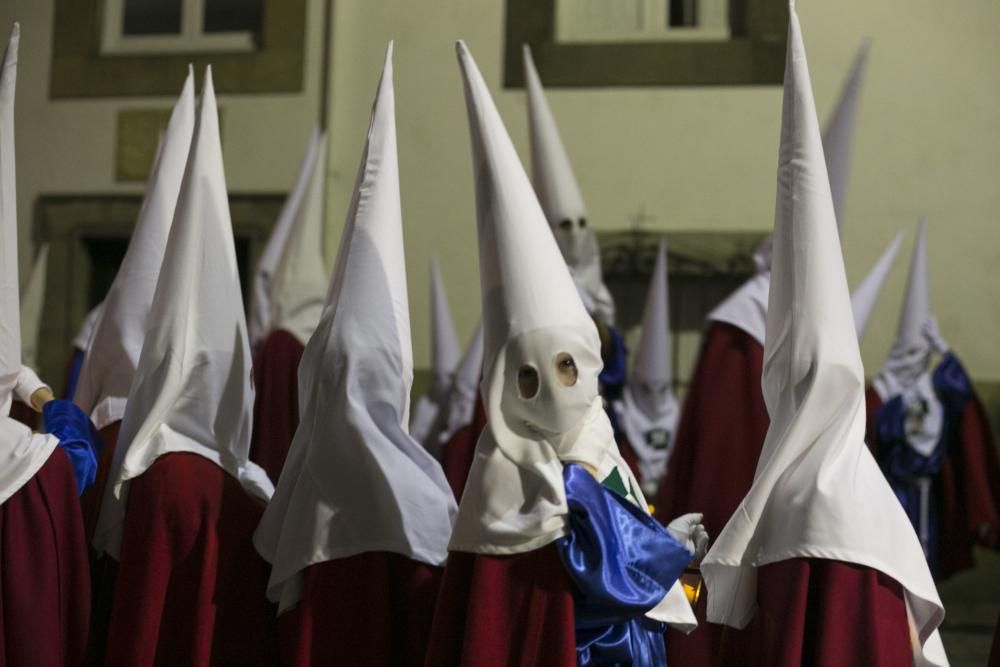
x: 504, y: 610
x: 93, y: 496
x: 822, y: 613
x: 276, y: 405
x: 719, y: 437
x: 190, y: 587
x: 370, y: 609
x: 45, y: 598
x: 25, y: 414
x: 968, y: 495
x: 457, y: 454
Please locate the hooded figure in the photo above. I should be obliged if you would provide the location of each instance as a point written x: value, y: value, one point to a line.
x: 425, y: 422
x: 116, y: 343
x: 727, y: 373
x: 44, y: 576
x: 537, y: 533
x: 183, y: 499
x: 647, y: 412
x: 289, y: 292
x: 931, y: 436
x: 818, y: 555
x: 464, y: 417
x: 359, y: 524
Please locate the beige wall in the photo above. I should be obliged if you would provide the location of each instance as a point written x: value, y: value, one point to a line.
x: 704, y: 158
x: 68, y: 146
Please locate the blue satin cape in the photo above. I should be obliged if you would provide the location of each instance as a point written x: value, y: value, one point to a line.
x: 77, y: 438
x: 622, y: 562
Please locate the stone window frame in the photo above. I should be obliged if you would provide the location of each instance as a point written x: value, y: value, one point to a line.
x: 754, y: 55
x: 80, y: 70
x: 67, y: 221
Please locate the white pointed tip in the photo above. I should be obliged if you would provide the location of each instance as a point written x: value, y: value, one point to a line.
x: 16, y: 30
x: 388, y: 51
x: 190, y: 70
x: 526, y: 51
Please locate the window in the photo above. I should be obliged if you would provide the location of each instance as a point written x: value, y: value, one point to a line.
x: 641, y: 20
x: 181, y: 26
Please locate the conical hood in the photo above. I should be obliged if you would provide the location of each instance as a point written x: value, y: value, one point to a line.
x: 542, y: 357
x: 261, y: 316
x: 192, y: 391
x: 817, y: 491
x: 460, y: 407
x: 31, y: 308
x: 917, y: 300
x: 865, y: 295
x: 838, y: 139
x: 111, y: 363
x: 355, y: 481
x: 652, y: 359
x: 524, y: 280
x: 551, y: 172
x: 299, y: 283
x: 10, y: 312
x: 445, y: 352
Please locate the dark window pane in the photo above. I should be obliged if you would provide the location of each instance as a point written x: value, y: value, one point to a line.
x: 682, y: 13
x: 234, y: 16
x: 152, y: 17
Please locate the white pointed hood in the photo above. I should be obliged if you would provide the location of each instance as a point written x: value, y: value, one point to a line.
x: 21, y: 452
x: 865, y: 295
x: 531, y: 313
x: 838, y: 144
x: 560, y: 198
x: 908, y: 360
x: 355, y: 481
x: 648, y: 410
x: 460, y: 406
x: 299, y: 282
x: 192, y: 390
x: 261, y: 305
x: 445, y: 353
x: 116, y: 342
x: 838, y: 139
x: 817, y: 492
x: 31, y: 308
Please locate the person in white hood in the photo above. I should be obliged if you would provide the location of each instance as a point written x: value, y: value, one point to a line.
x: 44, y: 573
x: 550, y: 512
x: 182, y: 498
x: 358, y: 527
x: 931, y: 435
x: 819, y: 562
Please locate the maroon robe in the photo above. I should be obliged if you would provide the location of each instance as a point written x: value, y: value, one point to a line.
x: 822, y: 613
x: 25, y: 414
x: 457, y: 454
x: 504, y: 610
x: 370, y: 609
x: 719, y: 437
x: 968, y: 498
x: 276, y: 405
x: 190, y: 587
x: 94, y: 495
x: 45, y: 599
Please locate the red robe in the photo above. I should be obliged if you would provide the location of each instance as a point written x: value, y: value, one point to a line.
x: 25, y: 414
x: 276, y: 405
x: 969, y: 498
x: 457, y: 454
x: 94, y: 495
x: 719, y: 437
x: 45, y: 594
x: 370, y: 609
x: 822, y: 613
x: 504, y: 610
x: 190, y: 587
